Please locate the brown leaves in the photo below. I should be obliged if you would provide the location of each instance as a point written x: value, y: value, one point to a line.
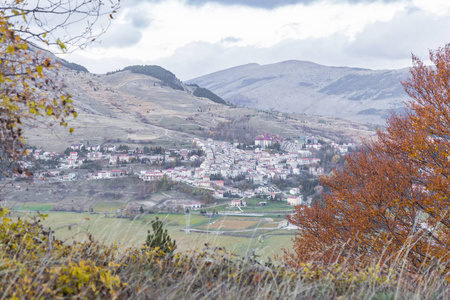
x: 393, y: 195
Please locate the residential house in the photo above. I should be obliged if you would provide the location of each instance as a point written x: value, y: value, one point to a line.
x: 218, y: 194
x: 264, y: 141
x: 94, y: 156
x: 124, y: 158
x: 103, y: 174
x: 76, y: 146
x: 95, y: 148
x: 116, y: 173
x: 109, y: 148
x: 294, y: 200
x: 151, y: 175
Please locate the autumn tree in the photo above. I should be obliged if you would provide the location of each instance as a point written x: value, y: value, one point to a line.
x: 391, y: 198
x: 31, y: 90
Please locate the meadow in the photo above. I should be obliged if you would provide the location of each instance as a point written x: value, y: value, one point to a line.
x: 241, y: 235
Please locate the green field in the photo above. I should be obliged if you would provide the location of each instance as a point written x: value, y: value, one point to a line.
x: 241, y: 239
x: 108, y: 206
x: 254, y: 206
x: 34, y: 206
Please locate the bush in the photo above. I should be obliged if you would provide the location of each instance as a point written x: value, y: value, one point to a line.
x: 35, y: 264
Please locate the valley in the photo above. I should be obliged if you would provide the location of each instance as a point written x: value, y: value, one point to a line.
x: 137, y: 111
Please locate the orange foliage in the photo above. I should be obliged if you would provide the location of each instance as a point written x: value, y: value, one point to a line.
x: 392, y: 198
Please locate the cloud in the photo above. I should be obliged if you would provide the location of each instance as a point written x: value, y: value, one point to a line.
x: 381, y: 45
x: 412, y: 31
x: 265, y: 4
x: 121, y: 36
x: 192, y: 38
x: 186, y: 62
x: 139, y: 19
x: 230, y: 40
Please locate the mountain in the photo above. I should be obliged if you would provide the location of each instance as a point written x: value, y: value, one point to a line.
x: 169, y: 79
x: 139, y: 108
x: 357, y: 94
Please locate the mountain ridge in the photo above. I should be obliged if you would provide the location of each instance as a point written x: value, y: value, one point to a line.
x: 357, y: 94
x: 140, y: 110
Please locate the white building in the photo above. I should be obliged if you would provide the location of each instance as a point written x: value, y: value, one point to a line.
x: 236, y: 203
x: 294, y: 200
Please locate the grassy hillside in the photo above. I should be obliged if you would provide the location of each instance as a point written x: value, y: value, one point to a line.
x: 139, y: 110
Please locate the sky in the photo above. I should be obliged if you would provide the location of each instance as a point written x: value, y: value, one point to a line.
x: 192, y: 38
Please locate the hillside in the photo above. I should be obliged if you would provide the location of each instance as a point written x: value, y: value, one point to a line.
x: 362, y: 95
x: 138, y: 110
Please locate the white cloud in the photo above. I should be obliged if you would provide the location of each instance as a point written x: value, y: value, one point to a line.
x: 193, y: 40
x: 435, y: 7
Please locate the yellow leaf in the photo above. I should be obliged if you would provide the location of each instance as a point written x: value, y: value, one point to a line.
x: 71, y: 130
x: 10, y: 49
x: 39, y: 69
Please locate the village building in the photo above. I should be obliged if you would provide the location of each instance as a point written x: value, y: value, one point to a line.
x: 192, y: 205
x: 78, y: 146
x: 151, y: 175
x: 238, y: 203
x: 95, y: 148
x: 294, y: 200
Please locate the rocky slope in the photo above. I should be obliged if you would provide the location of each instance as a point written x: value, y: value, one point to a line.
x: 356, y: 94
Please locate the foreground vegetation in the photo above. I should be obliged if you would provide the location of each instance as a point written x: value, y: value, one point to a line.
x: 35, y: 264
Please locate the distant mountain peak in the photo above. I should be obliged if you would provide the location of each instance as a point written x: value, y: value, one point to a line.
x: 357, y: 94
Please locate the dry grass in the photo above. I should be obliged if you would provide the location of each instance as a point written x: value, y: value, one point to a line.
x: 35, y: 265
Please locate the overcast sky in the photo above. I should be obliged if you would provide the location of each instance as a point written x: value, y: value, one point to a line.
x: 192, y: 38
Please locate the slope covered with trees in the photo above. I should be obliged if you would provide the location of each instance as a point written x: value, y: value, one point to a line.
x: 205, y: 93
x: 169, y: 79
x: 158, y: 72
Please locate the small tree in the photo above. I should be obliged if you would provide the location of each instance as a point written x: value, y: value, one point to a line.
x: 160, y: 238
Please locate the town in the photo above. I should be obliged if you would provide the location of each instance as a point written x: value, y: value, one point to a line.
x: 217, y: 166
